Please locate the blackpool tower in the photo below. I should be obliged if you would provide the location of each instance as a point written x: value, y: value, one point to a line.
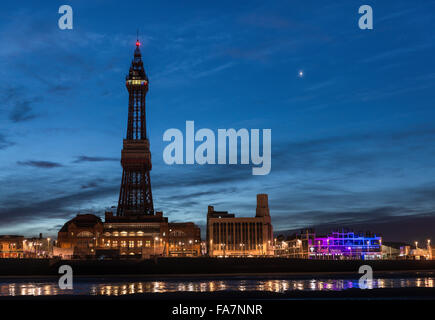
x: 135, y: 197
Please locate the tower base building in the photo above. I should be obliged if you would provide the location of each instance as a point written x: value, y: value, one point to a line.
x: 141, y: 236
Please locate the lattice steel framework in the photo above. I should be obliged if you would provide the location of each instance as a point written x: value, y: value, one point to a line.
x: 135, y: 197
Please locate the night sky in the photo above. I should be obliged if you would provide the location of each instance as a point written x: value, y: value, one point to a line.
x: 352, y: 139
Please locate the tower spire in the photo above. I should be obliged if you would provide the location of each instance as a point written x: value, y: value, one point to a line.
x: 135, y: 198
x: 137, y: 38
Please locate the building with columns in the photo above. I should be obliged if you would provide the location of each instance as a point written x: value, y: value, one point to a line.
x: 231, y: 236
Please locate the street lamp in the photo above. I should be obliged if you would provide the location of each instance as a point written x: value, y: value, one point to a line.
x: 48, y: 244
x: 155, y: 239
x: 416, y: 244
x: 299, y: 245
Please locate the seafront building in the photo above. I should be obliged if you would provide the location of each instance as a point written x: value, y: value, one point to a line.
x: 339, y: 244
x: 348, y: 245
x: 11, y: 246
x: 18, y: 247
x: 231, y: 236
x: 184, y: 240
x: 87, y: 235
x: 141, y: 236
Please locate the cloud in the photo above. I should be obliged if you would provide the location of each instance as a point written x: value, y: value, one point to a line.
x: 206, y: 73
x: 259, y: 19
x: 81, y: 159
x: 195, y: 195
x: 321, y: 85
x: 60, y: 207
x: 339, y: 152
x: 92, y: 184
x: 22, y: 111
x: 202, y: 175
x: 321, y: 204
x: 40, y: 164
x: 16, y: 99
x: 409, y: 228
x: 396, y: 52
x: 4, y: 142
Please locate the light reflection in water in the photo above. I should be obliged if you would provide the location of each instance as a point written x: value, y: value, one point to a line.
x: 114, y: 288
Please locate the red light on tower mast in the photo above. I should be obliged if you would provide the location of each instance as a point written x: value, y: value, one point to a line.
x: 137, y: 43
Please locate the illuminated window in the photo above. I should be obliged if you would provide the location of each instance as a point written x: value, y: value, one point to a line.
x: 140, y: 233
x: 139, y: 243
x: 131, y: 234
x: 85, y: 234
x: 107, y: 234
x: 131, y: 244
x: 116, y: 234
x: 137, y: 82
x: 148, y: 243
x: 114, y: 243
x: 123, y: 233
x: 123, y: 244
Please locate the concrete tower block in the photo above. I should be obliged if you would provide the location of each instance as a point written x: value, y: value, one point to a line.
x: 262, y: 205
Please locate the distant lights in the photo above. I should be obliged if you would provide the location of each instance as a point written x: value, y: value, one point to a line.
x: 300, y: 73
x: 137, y: 43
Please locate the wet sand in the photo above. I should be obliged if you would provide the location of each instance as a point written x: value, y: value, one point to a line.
x: 203, y: 266
x: 350, y: 294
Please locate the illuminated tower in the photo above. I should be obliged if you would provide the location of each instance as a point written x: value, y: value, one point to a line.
x: 135, y: 197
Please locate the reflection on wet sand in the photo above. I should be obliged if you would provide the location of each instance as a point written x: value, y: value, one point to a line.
x: 136, y: 287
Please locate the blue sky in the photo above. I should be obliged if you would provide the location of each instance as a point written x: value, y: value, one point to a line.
x: 352, y: 140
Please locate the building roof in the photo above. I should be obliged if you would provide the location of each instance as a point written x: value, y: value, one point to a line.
x: 10, y: 236
x: 136, y: 218
x: 82, y: 221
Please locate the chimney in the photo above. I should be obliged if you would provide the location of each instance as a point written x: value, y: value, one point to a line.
x: 108, y: 215
x: 262, y: 205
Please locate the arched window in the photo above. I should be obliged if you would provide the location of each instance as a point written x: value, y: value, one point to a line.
x: 177, y: 233
x: 85, y: 234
